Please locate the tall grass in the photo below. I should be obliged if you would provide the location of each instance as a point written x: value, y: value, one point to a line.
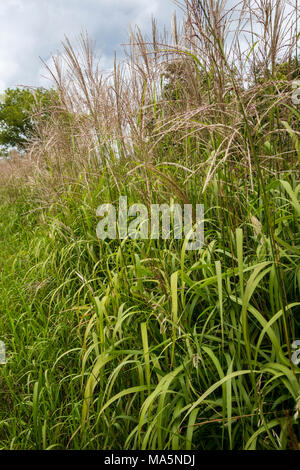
x: 142, y: 344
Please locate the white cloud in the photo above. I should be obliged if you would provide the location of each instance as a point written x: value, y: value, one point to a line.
x: 33, y: 28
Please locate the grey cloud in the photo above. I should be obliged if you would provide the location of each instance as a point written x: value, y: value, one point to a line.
x: 33, y: 28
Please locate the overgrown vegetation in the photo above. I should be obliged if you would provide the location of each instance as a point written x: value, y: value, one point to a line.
x: 17, y: 115
x: 141, y: 344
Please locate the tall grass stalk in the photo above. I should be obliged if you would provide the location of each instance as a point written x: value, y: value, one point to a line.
x: 141, y: 344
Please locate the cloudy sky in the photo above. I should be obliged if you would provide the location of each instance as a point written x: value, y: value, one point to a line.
x: 34, y: 28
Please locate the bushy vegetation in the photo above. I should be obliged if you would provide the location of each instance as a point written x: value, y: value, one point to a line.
x: 17, y: 115
x: 141, y: 344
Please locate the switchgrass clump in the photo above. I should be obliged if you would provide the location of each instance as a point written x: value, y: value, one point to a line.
x: 140, y: 344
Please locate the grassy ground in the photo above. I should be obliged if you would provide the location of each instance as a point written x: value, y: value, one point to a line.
x: 142, y: 344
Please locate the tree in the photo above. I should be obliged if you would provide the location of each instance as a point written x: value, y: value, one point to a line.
x: 17, y: 121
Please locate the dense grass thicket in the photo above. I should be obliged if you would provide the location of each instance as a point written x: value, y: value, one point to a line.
x: 140, y: 344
